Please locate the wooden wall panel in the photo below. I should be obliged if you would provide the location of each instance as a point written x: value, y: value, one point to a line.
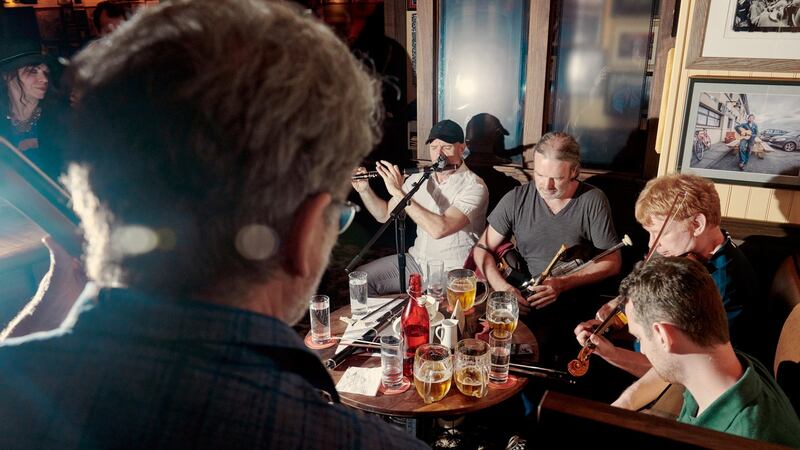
x: 780, y: 206
x: 744, y: 202
x: 758, y: 203
x: 737, y: 204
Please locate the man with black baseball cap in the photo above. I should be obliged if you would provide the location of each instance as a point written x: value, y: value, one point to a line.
x: 449, y: 209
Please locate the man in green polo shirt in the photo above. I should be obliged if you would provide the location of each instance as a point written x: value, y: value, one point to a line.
x: 675, y: 310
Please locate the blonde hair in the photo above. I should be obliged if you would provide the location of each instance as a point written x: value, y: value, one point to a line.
x: 659, y: 194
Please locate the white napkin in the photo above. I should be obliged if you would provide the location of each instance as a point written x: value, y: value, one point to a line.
x: 360, y: 380
x: 357, y: 329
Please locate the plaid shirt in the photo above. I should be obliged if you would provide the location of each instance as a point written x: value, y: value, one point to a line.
x: 138, y: 371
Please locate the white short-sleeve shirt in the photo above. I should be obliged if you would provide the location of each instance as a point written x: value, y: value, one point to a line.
x: 462, y: 190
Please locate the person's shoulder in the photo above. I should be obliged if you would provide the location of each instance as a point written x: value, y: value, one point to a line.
x: 590, y: 194
x: 473, y: 179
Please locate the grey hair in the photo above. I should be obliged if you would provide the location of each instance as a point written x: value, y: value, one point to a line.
x: 197, y: 120
x: 559, y: 146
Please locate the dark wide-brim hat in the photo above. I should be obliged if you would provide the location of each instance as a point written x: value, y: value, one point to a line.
x: 446, y: 130
x: 16, y: 53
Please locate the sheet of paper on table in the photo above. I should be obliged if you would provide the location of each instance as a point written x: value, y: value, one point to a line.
x: 357, y: 329
x: 360, y: 380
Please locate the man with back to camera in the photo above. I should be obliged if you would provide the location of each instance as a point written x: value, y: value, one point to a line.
x: 554, y: 209
x: 449, y: 209
x: 675, y: 310
x: 202, y: 255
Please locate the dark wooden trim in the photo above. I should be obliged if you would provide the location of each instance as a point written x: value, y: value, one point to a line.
x: 536, y: 74
x: 426, y: 72
x: 394, y: 20
x: 743, y: 228
x: 559, y: 412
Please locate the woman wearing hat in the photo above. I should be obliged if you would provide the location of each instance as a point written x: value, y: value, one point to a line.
x: 26, y: 119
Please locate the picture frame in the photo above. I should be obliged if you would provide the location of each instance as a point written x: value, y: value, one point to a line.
x: 714, y: 128
x: 713, y: 43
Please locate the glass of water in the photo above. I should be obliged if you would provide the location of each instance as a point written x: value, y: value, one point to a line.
x: 358, y: 293
x: 320, y: 309
x: 392, y: 353
x: 436, y: 280
x: 500, y: 349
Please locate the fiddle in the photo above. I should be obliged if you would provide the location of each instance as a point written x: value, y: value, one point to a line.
x: 580, y: 365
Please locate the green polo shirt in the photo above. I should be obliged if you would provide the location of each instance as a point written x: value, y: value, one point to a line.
x: 755, y: 407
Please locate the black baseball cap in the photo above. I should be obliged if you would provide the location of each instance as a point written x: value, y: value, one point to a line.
x: 448, y: 131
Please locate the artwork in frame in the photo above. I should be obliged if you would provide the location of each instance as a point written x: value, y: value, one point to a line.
x: 743, y: 132
x: 749, y: 35
x: 782, y: 16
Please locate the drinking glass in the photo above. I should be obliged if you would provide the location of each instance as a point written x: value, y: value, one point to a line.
x: 500, y: 349
x: 433, y: 372
x: 461, y: 288
x: 392, y: 361
x: 358, y: 293
x: 472, y: 367
x: 502, y: 312
x: 435, y: 283
x: 320, y: 310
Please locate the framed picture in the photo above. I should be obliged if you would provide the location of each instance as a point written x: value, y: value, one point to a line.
x: 743, y: 132
x: 745, y: 35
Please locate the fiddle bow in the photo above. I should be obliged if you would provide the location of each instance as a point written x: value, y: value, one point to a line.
x: 580, y: 365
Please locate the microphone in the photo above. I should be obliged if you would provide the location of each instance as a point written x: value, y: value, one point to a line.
x: 438, y: 166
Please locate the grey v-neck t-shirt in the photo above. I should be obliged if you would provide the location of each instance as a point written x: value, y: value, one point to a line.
x: 585, y: 220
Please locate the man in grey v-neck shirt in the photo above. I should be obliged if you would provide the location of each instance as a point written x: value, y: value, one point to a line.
x: 555, y: 209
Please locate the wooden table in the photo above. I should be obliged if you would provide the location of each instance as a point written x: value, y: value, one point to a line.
x: 409, y: 403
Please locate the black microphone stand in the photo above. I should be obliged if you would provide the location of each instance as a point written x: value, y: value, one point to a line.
x: 398, y: 217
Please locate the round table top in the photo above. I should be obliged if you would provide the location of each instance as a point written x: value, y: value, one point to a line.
x: 409, y: 403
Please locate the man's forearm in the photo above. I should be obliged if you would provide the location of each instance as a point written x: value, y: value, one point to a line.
x: 378, y: 207
x: 600, y: 270
x: 436, y: 225
x: 642, y: 392
x: 486, y: 262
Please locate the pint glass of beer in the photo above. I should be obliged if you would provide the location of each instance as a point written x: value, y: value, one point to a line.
x: 502, y: 312
x: 472, y: 367
x: 433, y: 372
x: 461, y: 288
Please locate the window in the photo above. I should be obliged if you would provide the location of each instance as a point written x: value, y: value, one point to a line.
x: 708, y: 117
x: 481, y: 62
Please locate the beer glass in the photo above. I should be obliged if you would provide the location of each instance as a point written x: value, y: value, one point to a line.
x: 502, y: 312
x: 320, y: 315
x: 472, y: 367
x: 461, y: 288
x: 358, y: 293
x: 433, y: 372
x: 500, y: 348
